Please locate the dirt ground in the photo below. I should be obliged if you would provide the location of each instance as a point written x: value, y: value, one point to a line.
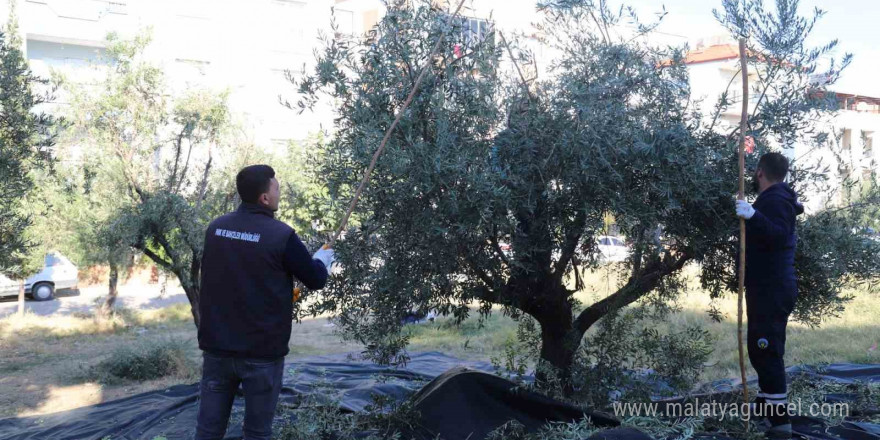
x: 47, y: 357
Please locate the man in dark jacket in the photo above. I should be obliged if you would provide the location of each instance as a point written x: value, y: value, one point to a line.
x: 771, y: 285
x: 248, y: 266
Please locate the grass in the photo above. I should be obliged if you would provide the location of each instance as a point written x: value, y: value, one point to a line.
x: 43, y: 359
x: 147, y: 360
x: 473, y: 339
x: 847, y: 338
x: 48, y: 364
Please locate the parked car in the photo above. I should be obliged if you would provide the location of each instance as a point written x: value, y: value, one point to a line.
x: 612, y: 249
x: 58, y: 274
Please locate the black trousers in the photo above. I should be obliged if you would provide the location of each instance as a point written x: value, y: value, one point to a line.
x: 766, y: 347
x: 260, y: 380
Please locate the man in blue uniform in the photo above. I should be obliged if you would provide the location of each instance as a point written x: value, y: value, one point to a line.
x: 248, y: 265
x: 771, y: 285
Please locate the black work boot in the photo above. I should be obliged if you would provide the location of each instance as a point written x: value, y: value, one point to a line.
x: 778, y: 432
x: 780, y: 422
x: 758, y: 409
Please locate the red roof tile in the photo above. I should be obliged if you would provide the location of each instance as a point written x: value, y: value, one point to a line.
x: 712, y: 53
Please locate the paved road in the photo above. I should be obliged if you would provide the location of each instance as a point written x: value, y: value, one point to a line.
x: 135, y: 296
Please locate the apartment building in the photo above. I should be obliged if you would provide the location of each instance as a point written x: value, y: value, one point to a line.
x: 714, y: 67
x: 243, y: 46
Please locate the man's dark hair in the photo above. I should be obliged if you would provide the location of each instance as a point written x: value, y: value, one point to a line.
x: 775, y: 166
x: 252, y: 181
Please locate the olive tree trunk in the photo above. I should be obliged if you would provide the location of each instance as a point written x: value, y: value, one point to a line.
x: 112, y: 292
x: 21, y: 298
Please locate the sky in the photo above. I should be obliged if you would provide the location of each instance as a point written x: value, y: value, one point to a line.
x: 853, y: 22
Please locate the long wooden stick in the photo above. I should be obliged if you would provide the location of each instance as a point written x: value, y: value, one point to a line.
x: 515, y: 64
x: 742, y: 222
x: 366, y: 179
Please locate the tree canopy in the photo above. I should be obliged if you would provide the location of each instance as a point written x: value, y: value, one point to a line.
x: 483, y: 160
x: 27, y: 134
x: 146, y: 160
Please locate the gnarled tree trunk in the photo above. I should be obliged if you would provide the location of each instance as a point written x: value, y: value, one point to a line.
x: 112, y: 292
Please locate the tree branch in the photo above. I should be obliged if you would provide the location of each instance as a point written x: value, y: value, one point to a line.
x: 570, y: 245
x: 600, y: 27
x: 185, y: 167
x: 637, y: 258
x: 767, y: 86
x: 628, y: 294
x: 156, y: 259
x: 203, y: 185
x: 493, y: 239
x: 718, y: 111
x: 166, y: 246
x: 195, y: 268
x: 178, y: 146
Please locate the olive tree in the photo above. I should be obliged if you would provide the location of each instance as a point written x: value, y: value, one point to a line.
x: 149, y: 153
x: 485, y: 158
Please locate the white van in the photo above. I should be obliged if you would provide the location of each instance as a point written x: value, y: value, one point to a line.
x: 58, y: 274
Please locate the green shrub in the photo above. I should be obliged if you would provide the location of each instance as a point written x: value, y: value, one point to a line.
x: 319, y: 416
x: 147, y: 360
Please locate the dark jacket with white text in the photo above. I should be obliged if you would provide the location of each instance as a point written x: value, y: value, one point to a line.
x: 771, y: 242
x: 248, y: 265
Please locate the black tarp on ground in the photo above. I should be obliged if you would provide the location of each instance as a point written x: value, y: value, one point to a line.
x: 454, y: 404
x: 837, y: 373
x: 463, y: 403
x: 172, y: 413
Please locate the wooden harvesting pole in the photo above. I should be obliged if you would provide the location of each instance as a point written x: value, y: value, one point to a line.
x: 742, y: 222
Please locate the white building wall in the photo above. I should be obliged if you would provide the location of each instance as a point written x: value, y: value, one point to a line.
x: 243, y: 46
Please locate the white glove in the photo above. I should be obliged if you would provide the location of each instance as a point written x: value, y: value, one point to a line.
x: 744, y: 209
x: 326, y: 256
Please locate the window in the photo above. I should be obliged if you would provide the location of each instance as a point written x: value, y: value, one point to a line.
x: 344, y: 22
x: 194, y: 67
x: 199, y: 9
x: 846, y: 139
x: 81, y: 64
x: 52, y: 260
x: 868, y: 143
x: 472, y: 30
x: 617, y: 242
x: 605, y: 241
x: 285, y: 30
x: 117, y: 7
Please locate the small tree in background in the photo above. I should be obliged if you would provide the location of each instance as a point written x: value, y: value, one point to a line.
x: 151, y: 154
x: 478, y: 162
x: 82, y: 216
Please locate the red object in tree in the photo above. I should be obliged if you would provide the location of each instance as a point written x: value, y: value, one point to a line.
x: 750, y: 144
x: 456, y: 50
